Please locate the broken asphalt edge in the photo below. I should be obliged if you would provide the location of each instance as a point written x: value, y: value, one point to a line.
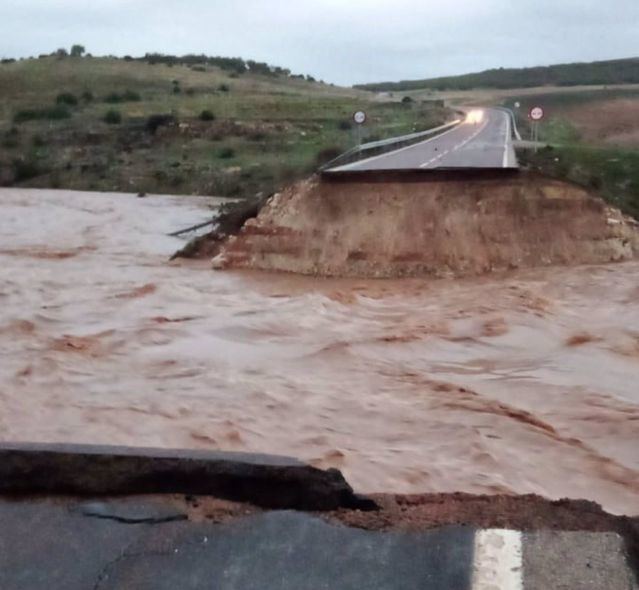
x: 267, y: 481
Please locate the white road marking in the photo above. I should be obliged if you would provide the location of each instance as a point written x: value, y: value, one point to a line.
x: 507, y: 144
x: 498, y: 562
x: 455, y: 148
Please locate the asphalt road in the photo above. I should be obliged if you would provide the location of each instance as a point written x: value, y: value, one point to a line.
x: 150, y: 544
x: 483, y: 140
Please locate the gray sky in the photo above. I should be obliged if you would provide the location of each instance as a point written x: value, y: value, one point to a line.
x: 341, y: 41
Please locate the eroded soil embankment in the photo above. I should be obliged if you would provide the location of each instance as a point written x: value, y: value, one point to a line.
x: 432, y: 226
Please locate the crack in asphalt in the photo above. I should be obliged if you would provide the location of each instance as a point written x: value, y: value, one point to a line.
x: 141, y: 520
x: 103, y: 574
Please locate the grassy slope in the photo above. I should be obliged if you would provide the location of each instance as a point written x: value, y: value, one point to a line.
x: 622, y: 71
x: 276, y: 127
x: 585, y: 151
x: 613, y: 173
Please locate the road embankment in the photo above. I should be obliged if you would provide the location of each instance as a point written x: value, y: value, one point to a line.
x: 440, y: 224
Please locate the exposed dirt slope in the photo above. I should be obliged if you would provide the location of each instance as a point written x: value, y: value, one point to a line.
x: 442, y: 227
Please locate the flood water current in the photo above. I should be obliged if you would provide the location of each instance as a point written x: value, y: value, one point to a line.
x: 520, y: 383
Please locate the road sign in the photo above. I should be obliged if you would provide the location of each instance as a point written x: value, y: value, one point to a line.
x: 517, y: 105
x: 359, y: 117
x: 536, y: 113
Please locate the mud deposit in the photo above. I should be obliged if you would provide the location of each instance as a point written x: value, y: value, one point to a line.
x: 519, y: 383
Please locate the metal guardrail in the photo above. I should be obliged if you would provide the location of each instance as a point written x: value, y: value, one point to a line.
x: 392, y: 141
x: 514, y: 121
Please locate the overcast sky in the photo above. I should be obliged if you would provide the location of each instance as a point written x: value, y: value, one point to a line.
x: 341, y: 41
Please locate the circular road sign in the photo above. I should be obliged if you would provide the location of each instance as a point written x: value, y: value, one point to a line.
x: 359, y: 117
x: 536, y: 113
x: 517, y: 105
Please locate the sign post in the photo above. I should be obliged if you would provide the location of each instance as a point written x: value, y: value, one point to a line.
x: 360, y: 118
x: 536, y: 115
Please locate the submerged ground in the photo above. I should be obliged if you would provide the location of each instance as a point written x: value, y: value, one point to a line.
x: 524, y: 382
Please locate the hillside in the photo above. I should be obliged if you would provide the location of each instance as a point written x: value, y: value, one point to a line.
x: 194, y: 125
x: 620, y: 71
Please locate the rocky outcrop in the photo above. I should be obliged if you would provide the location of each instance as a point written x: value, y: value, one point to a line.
x: 437, y: 225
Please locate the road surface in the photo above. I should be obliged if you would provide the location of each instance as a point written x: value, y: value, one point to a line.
x: 151, y: 544
x: 482, y: 140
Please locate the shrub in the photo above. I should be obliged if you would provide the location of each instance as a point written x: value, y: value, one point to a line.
x: 67, y: 98
x: 55, y: 113
x: 38, y: 141
x: 207, y: 115
x: 224, y: 88
x: 257, y: 135
x: 24, y: 169
x: 112, y: 117
x: 113, y: 98
x: 190, y: 91
x: 345, y: 125
x: 176, y: 180
x: 87, y: 96
x: 154, y: 122
x: 198, y: 69
x: 407, y: 100
x: 226, y: 153
x: 131, y: 96
x: 10, y: 142
x: 127, y: 96
x: 160, y: 175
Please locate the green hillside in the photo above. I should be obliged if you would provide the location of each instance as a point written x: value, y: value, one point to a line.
x: 620, y: 71
x: 194, y: 125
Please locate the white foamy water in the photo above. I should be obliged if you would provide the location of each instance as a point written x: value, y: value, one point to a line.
x: 520, y: 383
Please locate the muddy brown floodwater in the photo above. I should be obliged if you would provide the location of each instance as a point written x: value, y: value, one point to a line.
x: 526, y: 382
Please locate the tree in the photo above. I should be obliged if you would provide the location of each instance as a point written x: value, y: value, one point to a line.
x: 61, y: 53
x: 78, y: 51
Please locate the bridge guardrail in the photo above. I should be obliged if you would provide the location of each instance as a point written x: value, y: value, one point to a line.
x: 513, y: 119
x: 383, y: 143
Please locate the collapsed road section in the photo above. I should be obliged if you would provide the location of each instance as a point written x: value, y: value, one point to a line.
x: 429, y: 223
x: 197, y: 542
x: 264, y: 480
